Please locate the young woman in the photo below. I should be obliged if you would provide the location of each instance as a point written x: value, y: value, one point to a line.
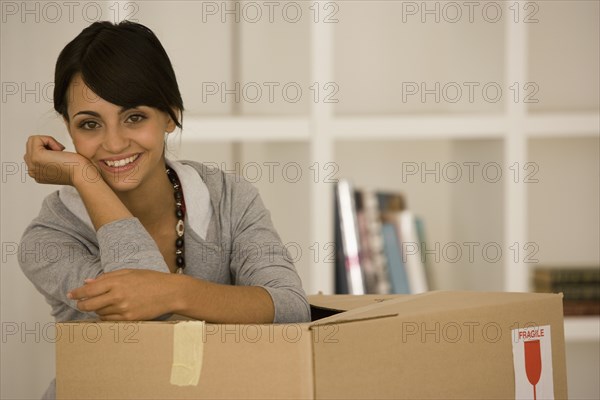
x: 136, y: 236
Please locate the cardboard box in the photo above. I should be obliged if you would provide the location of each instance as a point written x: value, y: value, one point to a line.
x: 437, y: 345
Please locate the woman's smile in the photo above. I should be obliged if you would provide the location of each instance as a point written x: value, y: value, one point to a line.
x: 121, y: 163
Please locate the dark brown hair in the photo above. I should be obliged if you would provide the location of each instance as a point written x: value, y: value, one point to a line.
x: 124, y: 64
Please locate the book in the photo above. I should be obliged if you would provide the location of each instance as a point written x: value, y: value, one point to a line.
x: 581, y: 307
x: 420, y: 227
x: 378, y: 243
x: 349, y: 239
x: 580, y: 287
x: 396, y: 269
x: 364, y: 247
x: 410, y: 248
x: 390, y: 203
x: 550, y: 275
x: 341, y: 281
x: 375, y: 241
x: 574, y: 291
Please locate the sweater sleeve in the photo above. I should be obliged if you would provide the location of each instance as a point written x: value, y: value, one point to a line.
x: 258, y: 257
x: 57, y: 258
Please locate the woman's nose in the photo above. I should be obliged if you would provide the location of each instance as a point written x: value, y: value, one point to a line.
x: 115, y: 140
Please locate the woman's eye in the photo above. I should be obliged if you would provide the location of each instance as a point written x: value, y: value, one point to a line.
x: 136, y: 118
x: 88, y: 125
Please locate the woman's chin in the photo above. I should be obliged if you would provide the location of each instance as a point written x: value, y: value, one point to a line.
x: 122, y: 187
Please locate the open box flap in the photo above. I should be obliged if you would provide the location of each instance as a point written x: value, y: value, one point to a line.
x: 345, y: 302
x: 324, y: 306
x: 428, y: 303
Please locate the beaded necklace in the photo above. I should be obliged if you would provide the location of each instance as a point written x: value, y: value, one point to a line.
x: 180, y: 214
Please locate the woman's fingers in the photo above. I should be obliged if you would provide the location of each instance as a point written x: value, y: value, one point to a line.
x: 110, y: 309
x: 89, y: 290
x: 95, y: 303
x: 47, y: 162
x: 43, y: 142
x: 51, y: 144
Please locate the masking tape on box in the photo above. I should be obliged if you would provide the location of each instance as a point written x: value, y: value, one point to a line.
x: 188, y: 350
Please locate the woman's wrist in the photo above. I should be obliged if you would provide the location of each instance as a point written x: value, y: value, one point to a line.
x: 84, y: 174
x: 220, y: 303
x: 102, y: 204
x: 179, y: 285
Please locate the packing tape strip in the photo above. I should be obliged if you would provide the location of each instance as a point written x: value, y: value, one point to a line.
x: 188, y: 351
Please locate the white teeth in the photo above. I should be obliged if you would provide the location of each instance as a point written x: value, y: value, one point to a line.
x: 121, y: 163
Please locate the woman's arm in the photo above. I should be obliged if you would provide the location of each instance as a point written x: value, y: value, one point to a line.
x: 143, y: 295
x: 78, y: 253
x: 59, y: 253
x: 266, y: 286
x: 269, y: 289
x: 223, y: 303
x: 101, y: 203
x: 47, y: 162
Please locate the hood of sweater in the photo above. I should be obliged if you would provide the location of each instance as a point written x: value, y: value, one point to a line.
x: 195, y: 191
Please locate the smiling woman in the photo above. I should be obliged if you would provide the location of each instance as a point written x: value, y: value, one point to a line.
x: 125, y: 143
x: 126, y: 219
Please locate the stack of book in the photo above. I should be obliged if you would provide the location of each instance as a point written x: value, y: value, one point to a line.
x: 378, y: 243
x: 579, y: 286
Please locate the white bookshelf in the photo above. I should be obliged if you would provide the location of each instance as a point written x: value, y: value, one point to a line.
x: 582, y: 329
x: 420, y: 127
x: 246, y: 129
x: 324, y: 132
x: 555, y: 125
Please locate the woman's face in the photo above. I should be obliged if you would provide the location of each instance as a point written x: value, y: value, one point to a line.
x: 125, y: 144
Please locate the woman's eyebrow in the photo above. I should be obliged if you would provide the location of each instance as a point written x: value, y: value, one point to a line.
x: 92, y: 113
x: 95, y: 114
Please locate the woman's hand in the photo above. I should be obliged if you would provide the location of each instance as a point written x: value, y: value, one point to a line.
x: 127, y: 295
x: 47, y: 162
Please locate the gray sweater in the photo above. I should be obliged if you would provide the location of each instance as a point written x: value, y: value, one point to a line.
x: 229, y: 239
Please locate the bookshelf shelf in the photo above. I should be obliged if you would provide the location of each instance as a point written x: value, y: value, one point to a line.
x: 419, y: 127
x: 452, y: 127
x: 582, y: 329
x: 559, y: 124
x: 246, y: 129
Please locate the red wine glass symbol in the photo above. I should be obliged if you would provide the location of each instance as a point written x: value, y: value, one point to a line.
x: 533, y: 363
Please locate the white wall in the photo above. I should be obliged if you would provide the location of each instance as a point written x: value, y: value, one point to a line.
x: 29, y: 52
x: 451, y: 211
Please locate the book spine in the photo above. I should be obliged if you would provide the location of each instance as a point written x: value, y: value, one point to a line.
x: 376, y: 243
x: 578, y: 291
x: 349, y: 237
x: 396, y: 268
x: 410, y: 249
x: 581, y: 307
x: 341, y: 281
x: 364, y: 252
x: 567, y: 275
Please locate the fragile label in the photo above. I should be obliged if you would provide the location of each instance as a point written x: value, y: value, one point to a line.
x: 532, y: 358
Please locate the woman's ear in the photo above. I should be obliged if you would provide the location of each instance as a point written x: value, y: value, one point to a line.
x: 171, y: 125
